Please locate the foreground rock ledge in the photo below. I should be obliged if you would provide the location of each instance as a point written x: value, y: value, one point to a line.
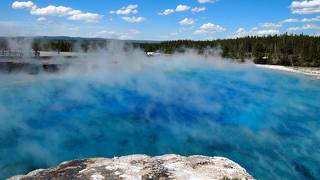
x: 143, y: 167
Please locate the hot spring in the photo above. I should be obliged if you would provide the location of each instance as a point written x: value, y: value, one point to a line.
x: 265, y: 120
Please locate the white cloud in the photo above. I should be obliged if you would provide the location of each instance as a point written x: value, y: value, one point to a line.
x: 267, y: 32
x: 270, y: 25
x: 87, y: 17
x: 305, y: 4
x: 23, y: 4
x: 181, y: 8
x: 187, y: 22
x: 207, y: 1
x: 167, y: 12
x: 133, y: 19
x: 133, y: 31
x: 60, y: 11
x: 111, y: 34
x: 290, y: 20
x: 311, y: 27
x: 304, y: 27
x: 293, y: 20
x: 41, y: 19
x: 305, y: 7
x: 209, y: 28
x: 242, y: 32
x: 275, y: 26
x: 73, y: 28
x: 291, y: 29
x: 116, y: 35
x: 126, y: 10
x: 315, y: 19
x: 130, y: 9
x: 198, y: 9
x: 52, y: 11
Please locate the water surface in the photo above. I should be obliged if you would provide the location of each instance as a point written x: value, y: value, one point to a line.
x: 267, y: 121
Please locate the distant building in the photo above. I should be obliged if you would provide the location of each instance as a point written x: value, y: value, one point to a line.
x: 152, y: 53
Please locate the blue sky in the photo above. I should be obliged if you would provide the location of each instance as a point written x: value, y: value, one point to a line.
x: 159, y: 19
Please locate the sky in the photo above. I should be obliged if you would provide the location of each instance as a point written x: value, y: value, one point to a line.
x: 159, y: 19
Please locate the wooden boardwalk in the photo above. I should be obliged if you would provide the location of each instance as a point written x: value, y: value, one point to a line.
x: 33, y: 62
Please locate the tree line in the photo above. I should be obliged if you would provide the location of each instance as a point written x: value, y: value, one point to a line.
x: 287, y: 50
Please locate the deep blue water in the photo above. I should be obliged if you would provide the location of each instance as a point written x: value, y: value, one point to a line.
x: 267, y: 121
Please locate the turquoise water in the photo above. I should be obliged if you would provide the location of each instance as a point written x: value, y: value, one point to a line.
x: 267, y: 121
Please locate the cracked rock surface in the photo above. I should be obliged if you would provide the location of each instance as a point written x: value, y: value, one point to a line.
x: 142, y: 167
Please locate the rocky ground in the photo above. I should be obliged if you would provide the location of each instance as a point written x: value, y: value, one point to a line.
x: 143, y: 167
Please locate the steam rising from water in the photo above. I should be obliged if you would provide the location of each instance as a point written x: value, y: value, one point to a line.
x: 116, y: 103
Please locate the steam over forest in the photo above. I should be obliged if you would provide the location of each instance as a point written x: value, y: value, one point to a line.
x: 287, y: 50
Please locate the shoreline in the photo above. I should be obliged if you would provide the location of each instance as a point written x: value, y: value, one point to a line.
x: 312, y: 72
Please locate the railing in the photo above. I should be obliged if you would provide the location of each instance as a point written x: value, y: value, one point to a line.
x: 11, y: 53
